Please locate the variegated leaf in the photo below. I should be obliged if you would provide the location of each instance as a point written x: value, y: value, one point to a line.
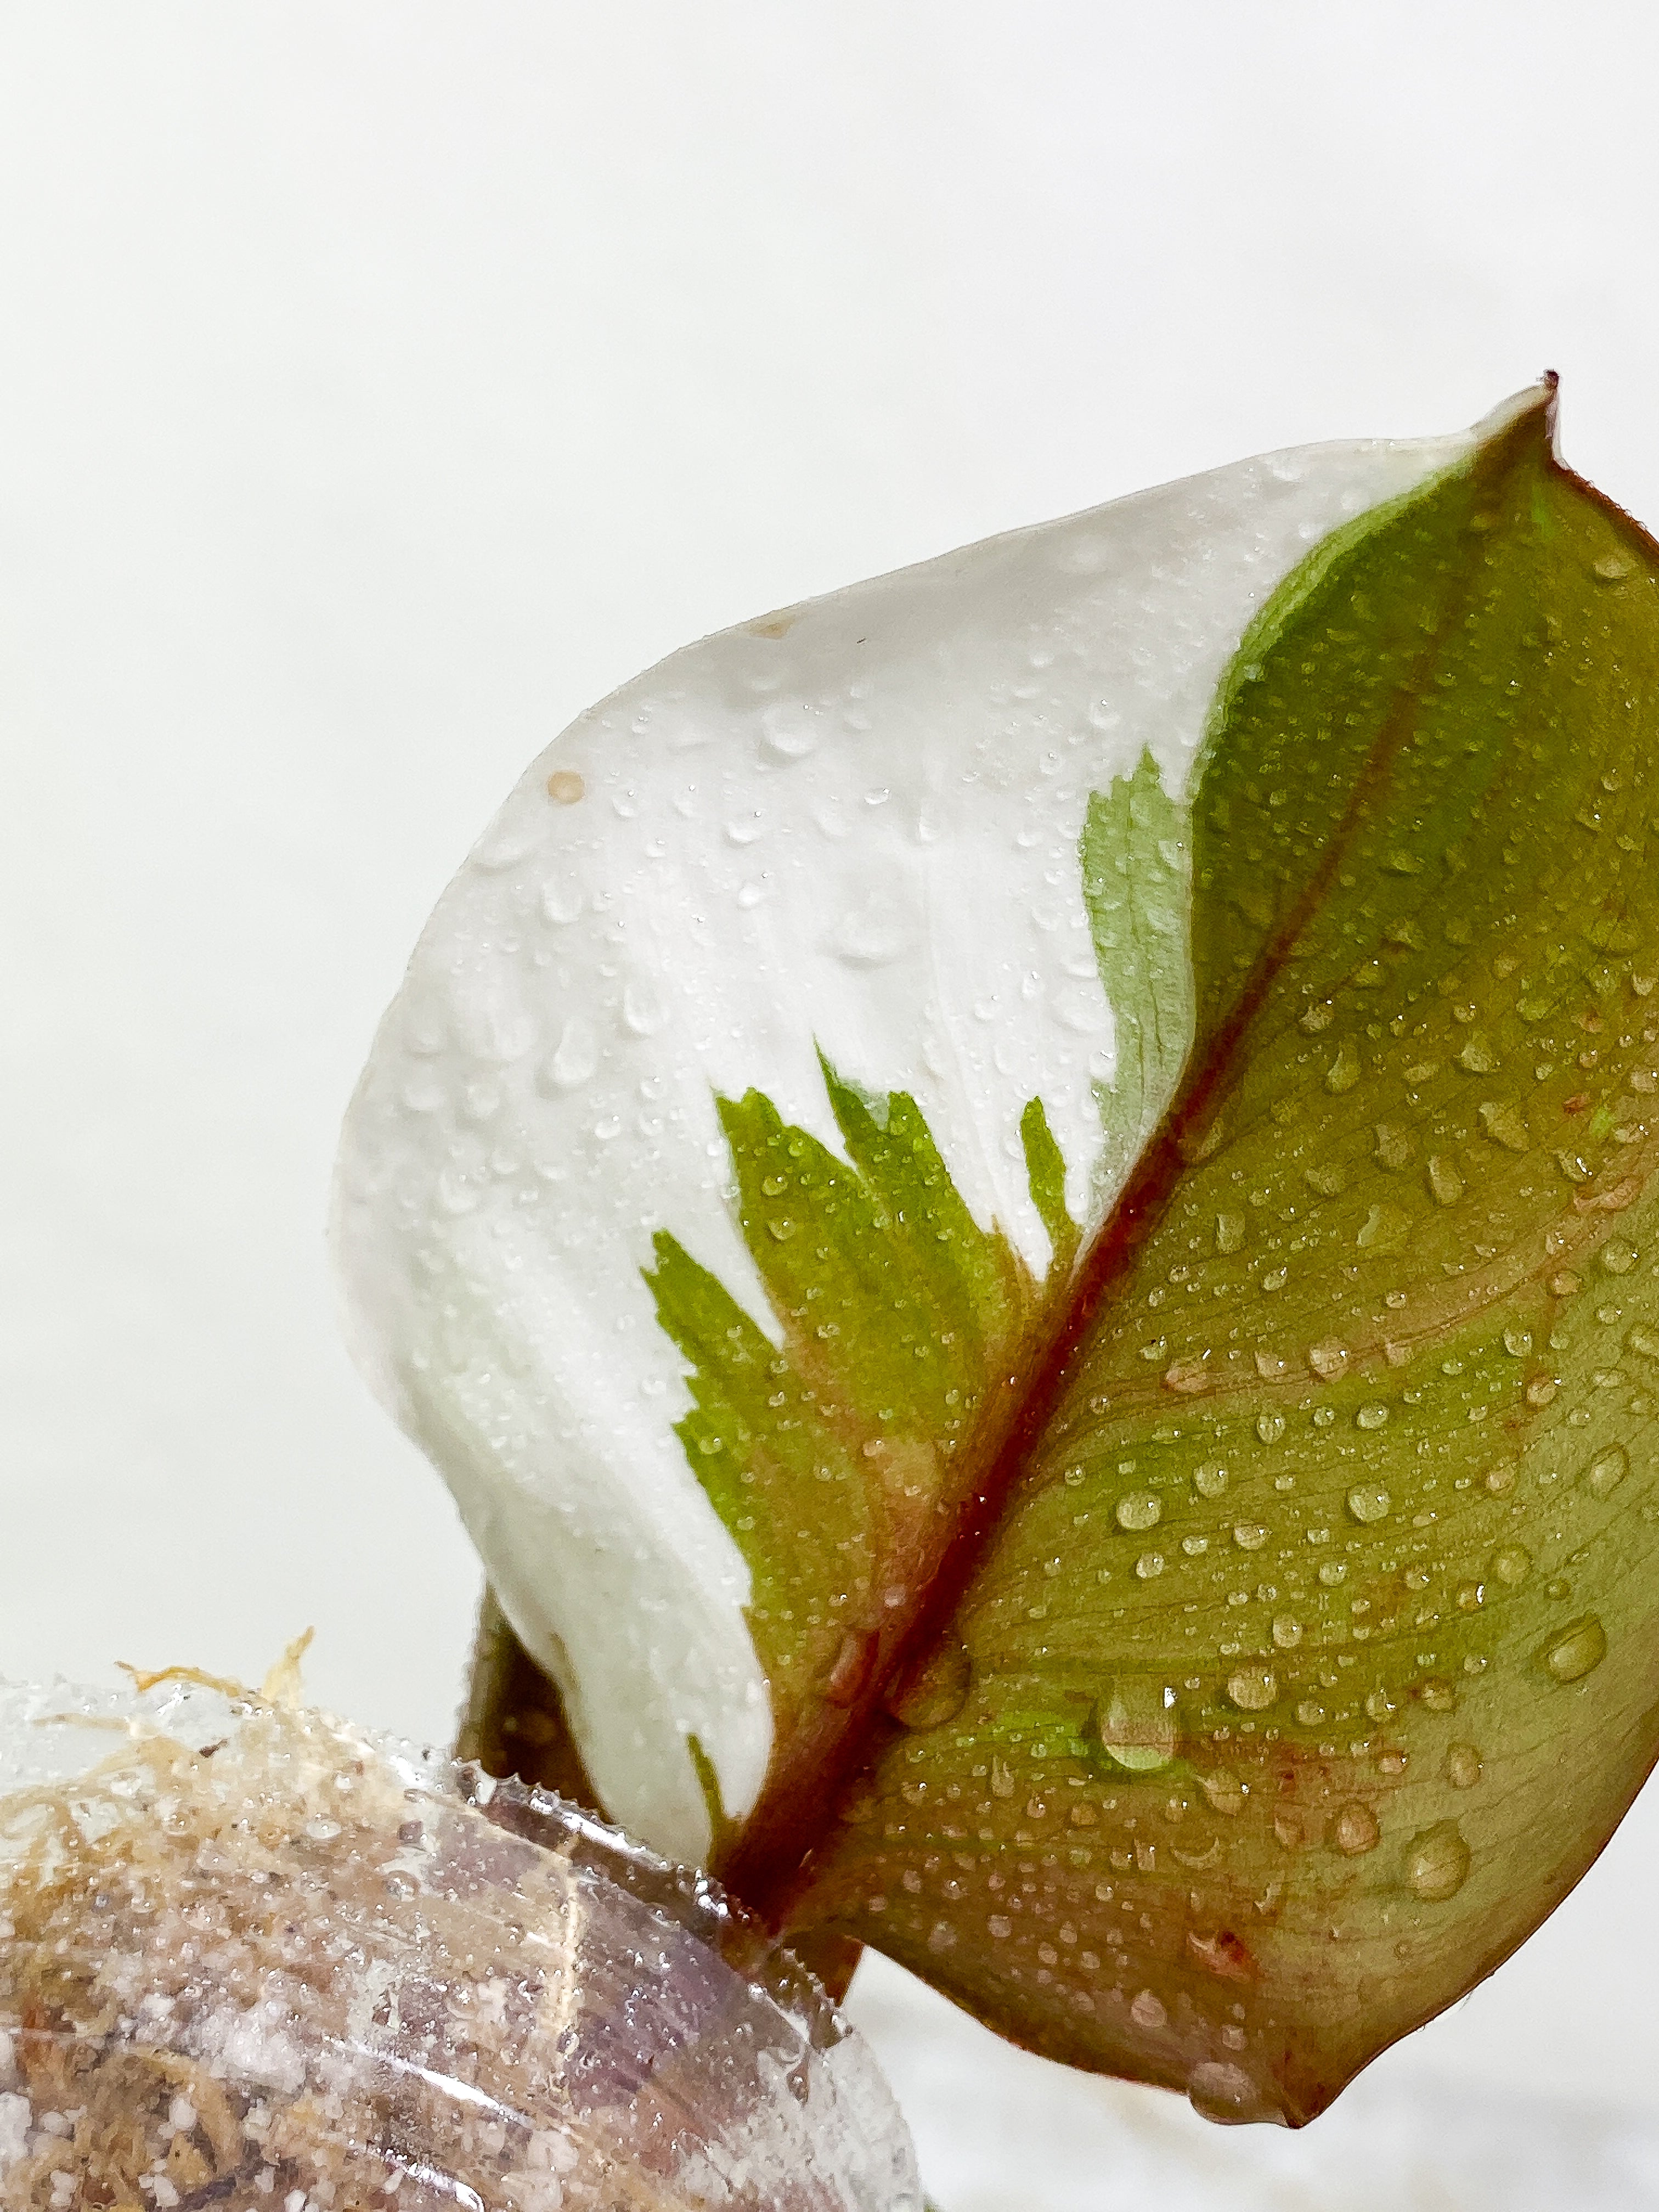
x: 1015, y: 1202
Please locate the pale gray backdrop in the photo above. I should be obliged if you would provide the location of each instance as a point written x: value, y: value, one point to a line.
x: 378, y: 384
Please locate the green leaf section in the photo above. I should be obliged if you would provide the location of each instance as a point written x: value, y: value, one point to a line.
x: 825, y: 1454
x: 1136, y: 890
x: 1045, y: 1169
x: 1311, y: 1658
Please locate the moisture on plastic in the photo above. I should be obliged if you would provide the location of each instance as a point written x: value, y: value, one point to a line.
x: 254, y: 1957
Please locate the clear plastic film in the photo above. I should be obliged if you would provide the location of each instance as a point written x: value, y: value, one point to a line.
x: 255, y: 1957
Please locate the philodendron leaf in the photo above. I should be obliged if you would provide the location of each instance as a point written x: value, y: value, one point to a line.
x: 1016, y: 1203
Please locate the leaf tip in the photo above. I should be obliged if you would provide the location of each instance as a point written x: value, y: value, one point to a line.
x: 1527, y: 418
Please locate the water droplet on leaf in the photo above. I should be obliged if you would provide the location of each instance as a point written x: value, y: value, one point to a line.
x: 643, y: 1011
x: 1462, y: 1766
x: 1605, y: 1473
x: 1438, y: 1863
x: 1223, y: 2092
x: 576, y: 1056
x: 1444, y: 1181
x: 1135, y: 1724
x: 1384, y: 1229
x: 1577, y: 1649
x: 788, y: 731
x: 872, y: 933
x: 1253, y: 1689
x: 1354, y: 1829
x: 1504, y: 1124
x: 1394, y: 1145
x: 1368, y: 1501
x: 936, y: 1692
x: 1225, y: 1791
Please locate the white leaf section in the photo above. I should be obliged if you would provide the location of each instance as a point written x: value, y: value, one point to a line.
x: 854, y: 825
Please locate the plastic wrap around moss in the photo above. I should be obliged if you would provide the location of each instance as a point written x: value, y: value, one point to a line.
x: 253, y: 1957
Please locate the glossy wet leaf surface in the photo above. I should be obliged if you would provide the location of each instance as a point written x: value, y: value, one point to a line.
x: 1207, y: 1636
x: 1311, y: 1659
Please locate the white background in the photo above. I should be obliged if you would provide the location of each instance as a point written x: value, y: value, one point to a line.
x: 381, y: 383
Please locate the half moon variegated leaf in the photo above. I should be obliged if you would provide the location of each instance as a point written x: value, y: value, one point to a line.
x: 1014, y: 1202
x: 922, y: 840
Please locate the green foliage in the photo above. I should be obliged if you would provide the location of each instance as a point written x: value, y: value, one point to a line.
x: 1136, y: 890
x: 1045, y: 1168
x: 824, y: 1454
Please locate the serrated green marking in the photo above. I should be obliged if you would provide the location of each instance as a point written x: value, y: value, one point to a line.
x: 720, y: 1822
x: 1045, y: 1168
x: 1137, y: 893
x: 894, y: 1307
